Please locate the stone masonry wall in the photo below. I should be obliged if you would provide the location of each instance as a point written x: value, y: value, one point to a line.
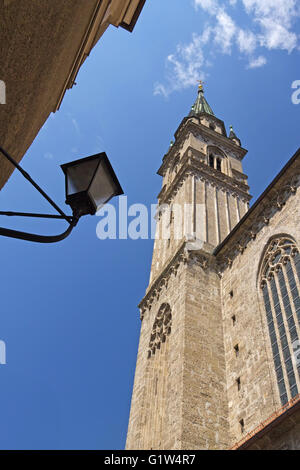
x: 205, y: 412
x: 179, y: 399
x: 258, y: 397
x: 156, y: 408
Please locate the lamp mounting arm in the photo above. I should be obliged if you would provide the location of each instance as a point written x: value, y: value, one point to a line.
x: 72, y: 220
x: 31, y: 237
x: 37, y: 187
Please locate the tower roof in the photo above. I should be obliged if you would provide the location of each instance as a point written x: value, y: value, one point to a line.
x: 201, y: 105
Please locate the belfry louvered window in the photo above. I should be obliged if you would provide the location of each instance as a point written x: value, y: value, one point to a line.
x: 280, y: 278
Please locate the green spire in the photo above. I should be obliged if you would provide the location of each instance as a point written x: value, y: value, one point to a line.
x: 201, y: 105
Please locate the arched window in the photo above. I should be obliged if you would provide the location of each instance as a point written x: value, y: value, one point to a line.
x: 280, y: 276
x: 216, y: 158
x: 161, y: 329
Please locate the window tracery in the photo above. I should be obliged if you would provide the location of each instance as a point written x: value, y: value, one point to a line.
x: 280, y: 276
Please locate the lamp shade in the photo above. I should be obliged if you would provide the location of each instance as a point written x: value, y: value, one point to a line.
x: 90, y: 183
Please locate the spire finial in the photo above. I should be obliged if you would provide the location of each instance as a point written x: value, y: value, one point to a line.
x: 201, y: 105
x: 234, y: 137
x: 200, y: 86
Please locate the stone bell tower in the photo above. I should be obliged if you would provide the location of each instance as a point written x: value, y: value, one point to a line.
x: 179, y: 399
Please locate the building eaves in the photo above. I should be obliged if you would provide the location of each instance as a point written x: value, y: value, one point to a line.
x: 277, y: 419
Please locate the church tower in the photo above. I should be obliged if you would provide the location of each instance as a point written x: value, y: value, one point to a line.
x: 179, y: 399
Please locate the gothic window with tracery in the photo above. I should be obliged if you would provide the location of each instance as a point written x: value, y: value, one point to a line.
x: 280, y: 277
x: 161, y: 329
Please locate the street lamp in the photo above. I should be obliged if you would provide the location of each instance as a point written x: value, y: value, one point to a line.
x: 90, y: 183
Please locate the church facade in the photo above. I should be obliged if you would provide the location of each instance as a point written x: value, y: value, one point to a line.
x: 218, y: 364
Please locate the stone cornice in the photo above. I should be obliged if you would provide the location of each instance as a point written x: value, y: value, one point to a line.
x: 182, y: 256
x: 216, y: 137
x: 170, y: 156
x: 192, y: 166
x: 198, y: 118
x: 124, y: 14
x: 220, y: 179
x: 239, y: 175
x: 206, y: 135
x: 269, y: 203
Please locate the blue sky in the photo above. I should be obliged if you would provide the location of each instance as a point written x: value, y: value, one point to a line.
x: 69, y: 314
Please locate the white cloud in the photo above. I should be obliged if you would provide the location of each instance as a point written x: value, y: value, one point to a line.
x: 224, y: 31
x: 184, y: 67
x: 282, y: 11
x: 276, y: 36
x: 246, y: 41
x: 270, y: 27
x: 212, y: 6
x: 257, y: 62
x: 275, y: 18
x: 160, y: 89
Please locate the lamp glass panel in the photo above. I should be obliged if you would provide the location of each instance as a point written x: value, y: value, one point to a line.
x: 80, y: 176
x: 103, y: 187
